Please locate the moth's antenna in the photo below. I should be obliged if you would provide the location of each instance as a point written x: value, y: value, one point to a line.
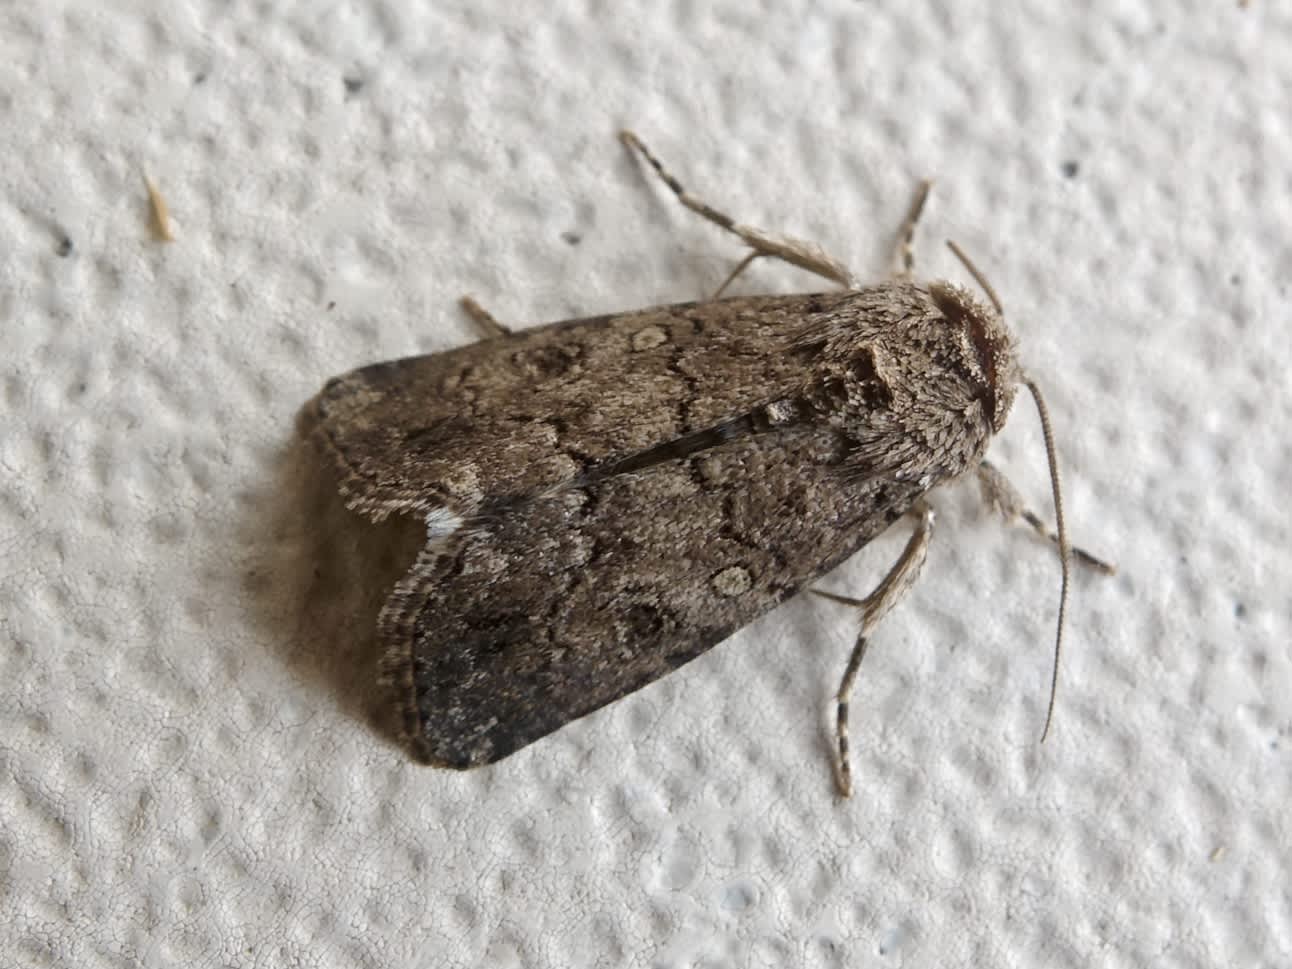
x: 978, y: 277
x: 1065, y: 552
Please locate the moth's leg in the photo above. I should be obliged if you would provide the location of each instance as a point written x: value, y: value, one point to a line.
x: 484, y: 319
x: 796, y: 252
x: 873, y: 608
x: 731, y: 276
x: 1005, y: 500
x: 906, y: 236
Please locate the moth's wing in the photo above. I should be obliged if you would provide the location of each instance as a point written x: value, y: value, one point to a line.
x: 518, y: 624
x: 529, y: 412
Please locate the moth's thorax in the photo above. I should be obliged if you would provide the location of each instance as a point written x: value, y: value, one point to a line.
x: 917, y: 378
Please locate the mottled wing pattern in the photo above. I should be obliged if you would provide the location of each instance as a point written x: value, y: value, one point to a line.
x: 644, y: 572
x: 528, y: 412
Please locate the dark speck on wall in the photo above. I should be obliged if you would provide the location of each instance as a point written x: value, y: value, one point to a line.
x: 353, y: 85
x: 1070, y: 169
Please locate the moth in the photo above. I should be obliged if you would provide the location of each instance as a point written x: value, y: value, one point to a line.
x: 607, y: 498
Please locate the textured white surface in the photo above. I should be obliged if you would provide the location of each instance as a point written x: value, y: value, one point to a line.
x: 193, y: 769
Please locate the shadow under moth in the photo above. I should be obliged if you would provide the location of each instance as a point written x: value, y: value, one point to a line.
x: 607, y: 498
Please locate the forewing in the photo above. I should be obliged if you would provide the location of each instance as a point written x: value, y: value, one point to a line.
x: 546, y: 609
x: 518, y: 415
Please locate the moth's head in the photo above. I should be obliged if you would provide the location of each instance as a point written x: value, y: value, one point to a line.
x: 986, y: 348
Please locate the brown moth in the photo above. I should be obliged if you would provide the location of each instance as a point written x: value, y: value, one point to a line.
x: 607, y: 498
